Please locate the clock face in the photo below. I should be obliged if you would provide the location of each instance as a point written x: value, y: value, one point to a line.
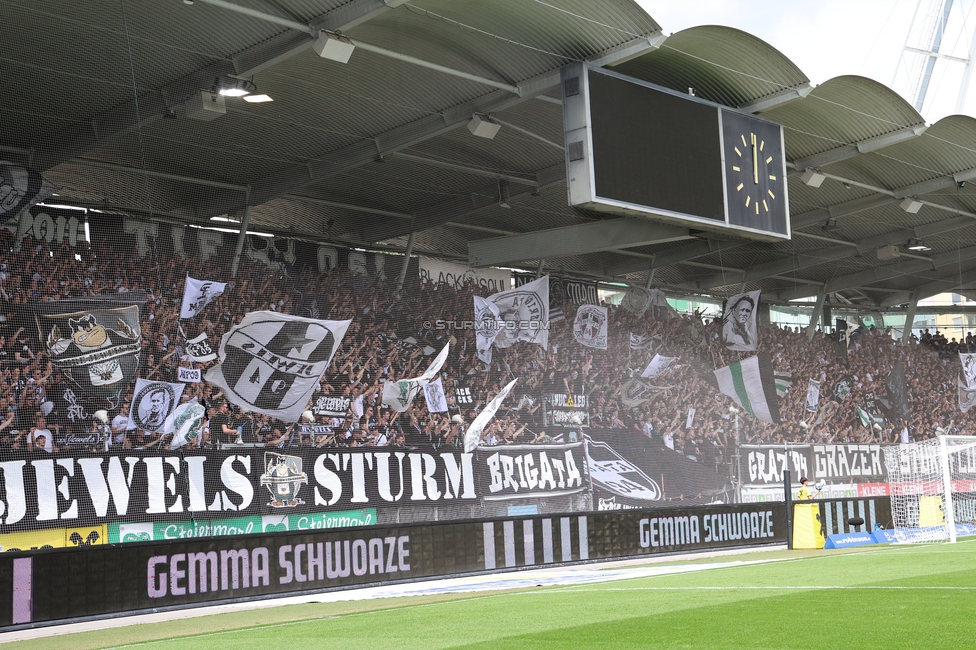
x: 755, y: 182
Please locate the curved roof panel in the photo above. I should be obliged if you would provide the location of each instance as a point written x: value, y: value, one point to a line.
x: 722, y: 64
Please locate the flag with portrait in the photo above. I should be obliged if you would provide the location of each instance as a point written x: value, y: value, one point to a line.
x: 152, y: 403
x: 739, y: 330
x: 434, y: 395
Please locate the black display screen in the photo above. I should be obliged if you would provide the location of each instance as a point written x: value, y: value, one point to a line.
x: 654, y: 149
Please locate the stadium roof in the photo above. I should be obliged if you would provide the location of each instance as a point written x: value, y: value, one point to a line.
x: 366, y: 152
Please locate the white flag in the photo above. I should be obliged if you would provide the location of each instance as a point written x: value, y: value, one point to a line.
x: 198, y: 294
x: 488, y: 323
x: 185, y: 423
x: 473, y: 435
x: 271, y: 363
x: 739, y: 331
x: 399, y: 394
x: 967, y: 395
x: 642, y: 341
x: 690, y: 421
x: 189, y: 375
x: 152, y: 403
x: 199, y: 350
x: 968, y: 369
x: 657, y: 366
x: 637, y: 300
x: 525, y: 314
x: 813, y: 395
x: 434, y: 394
x: 590, y: 326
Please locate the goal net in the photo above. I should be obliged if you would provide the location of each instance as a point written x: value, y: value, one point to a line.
x: 933, y: 489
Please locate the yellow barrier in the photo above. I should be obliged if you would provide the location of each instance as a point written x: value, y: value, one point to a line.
x: 807, y: 527
x: 32, y: 540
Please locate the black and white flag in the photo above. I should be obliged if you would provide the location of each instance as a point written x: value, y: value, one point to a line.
x: 590, y: 326
x: 739, y: 330
x: 523, y: 313
x: 488, y: 323
x: 434, y: 394
x: 813, y: 395
x: 968, y: 369
x: 152, y: 403
x: 20, y: 188
x: 642, y: 341
x: 636, y: 300
x: 95, y: 342
x: 198, y: 294
x: 967, y: 395
x: 271, y: 363
x: 199, y: 350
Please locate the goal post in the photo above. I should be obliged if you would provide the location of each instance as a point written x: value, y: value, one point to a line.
x: 933, y: 489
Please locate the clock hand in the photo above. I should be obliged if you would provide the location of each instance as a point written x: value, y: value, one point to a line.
x: 755, y: 161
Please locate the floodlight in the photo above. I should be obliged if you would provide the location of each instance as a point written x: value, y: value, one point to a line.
x: 812, y: 177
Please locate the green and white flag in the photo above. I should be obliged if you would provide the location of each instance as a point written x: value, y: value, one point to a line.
x: 751, y: 385
x: 867, y: 419
x: 399, y: 394
x: 185, y: 423
x: 783, y: 382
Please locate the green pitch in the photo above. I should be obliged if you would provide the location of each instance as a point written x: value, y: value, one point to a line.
x: 884, y: 597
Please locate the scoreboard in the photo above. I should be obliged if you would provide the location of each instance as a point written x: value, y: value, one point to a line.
x: 637, y: 149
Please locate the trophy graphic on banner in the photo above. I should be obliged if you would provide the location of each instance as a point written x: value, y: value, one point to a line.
x: 284, y: 478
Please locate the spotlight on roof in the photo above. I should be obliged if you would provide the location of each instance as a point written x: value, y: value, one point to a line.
x: 483, y: 127
x: 911, y: 205
x: 917, y: 245
x: 812, y: 177
x: 257, y: 99
x: 232, y: 87
x: 333, y: 47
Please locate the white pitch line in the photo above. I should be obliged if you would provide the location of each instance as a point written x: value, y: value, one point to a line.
x: 770, y: 588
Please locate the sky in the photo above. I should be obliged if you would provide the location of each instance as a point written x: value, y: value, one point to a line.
x: 830, y: 38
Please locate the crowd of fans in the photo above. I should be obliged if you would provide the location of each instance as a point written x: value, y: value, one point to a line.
x: 394, y: 336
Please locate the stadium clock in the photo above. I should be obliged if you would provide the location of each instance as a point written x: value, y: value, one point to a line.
x: 754, y: 172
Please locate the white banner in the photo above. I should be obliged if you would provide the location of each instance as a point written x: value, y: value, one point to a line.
x: 691, y: 417
x: 590, y: 326
x: 434, y: 394
x: 198, y: 294
x: 199, y: 350
x: 473, y: 435
x: 525, y: 314
x: 185, y: 423
x: 152, y: 403
x: 968, y: 369
x: 636, y: 300
x: 657, y: 366
x: 459, y: 276
x: 271, y: 363
x: 189, y: 375
x: 642, y: 342
x: 488, y: 323
x: 813, y: 395
x: 739, y: 330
